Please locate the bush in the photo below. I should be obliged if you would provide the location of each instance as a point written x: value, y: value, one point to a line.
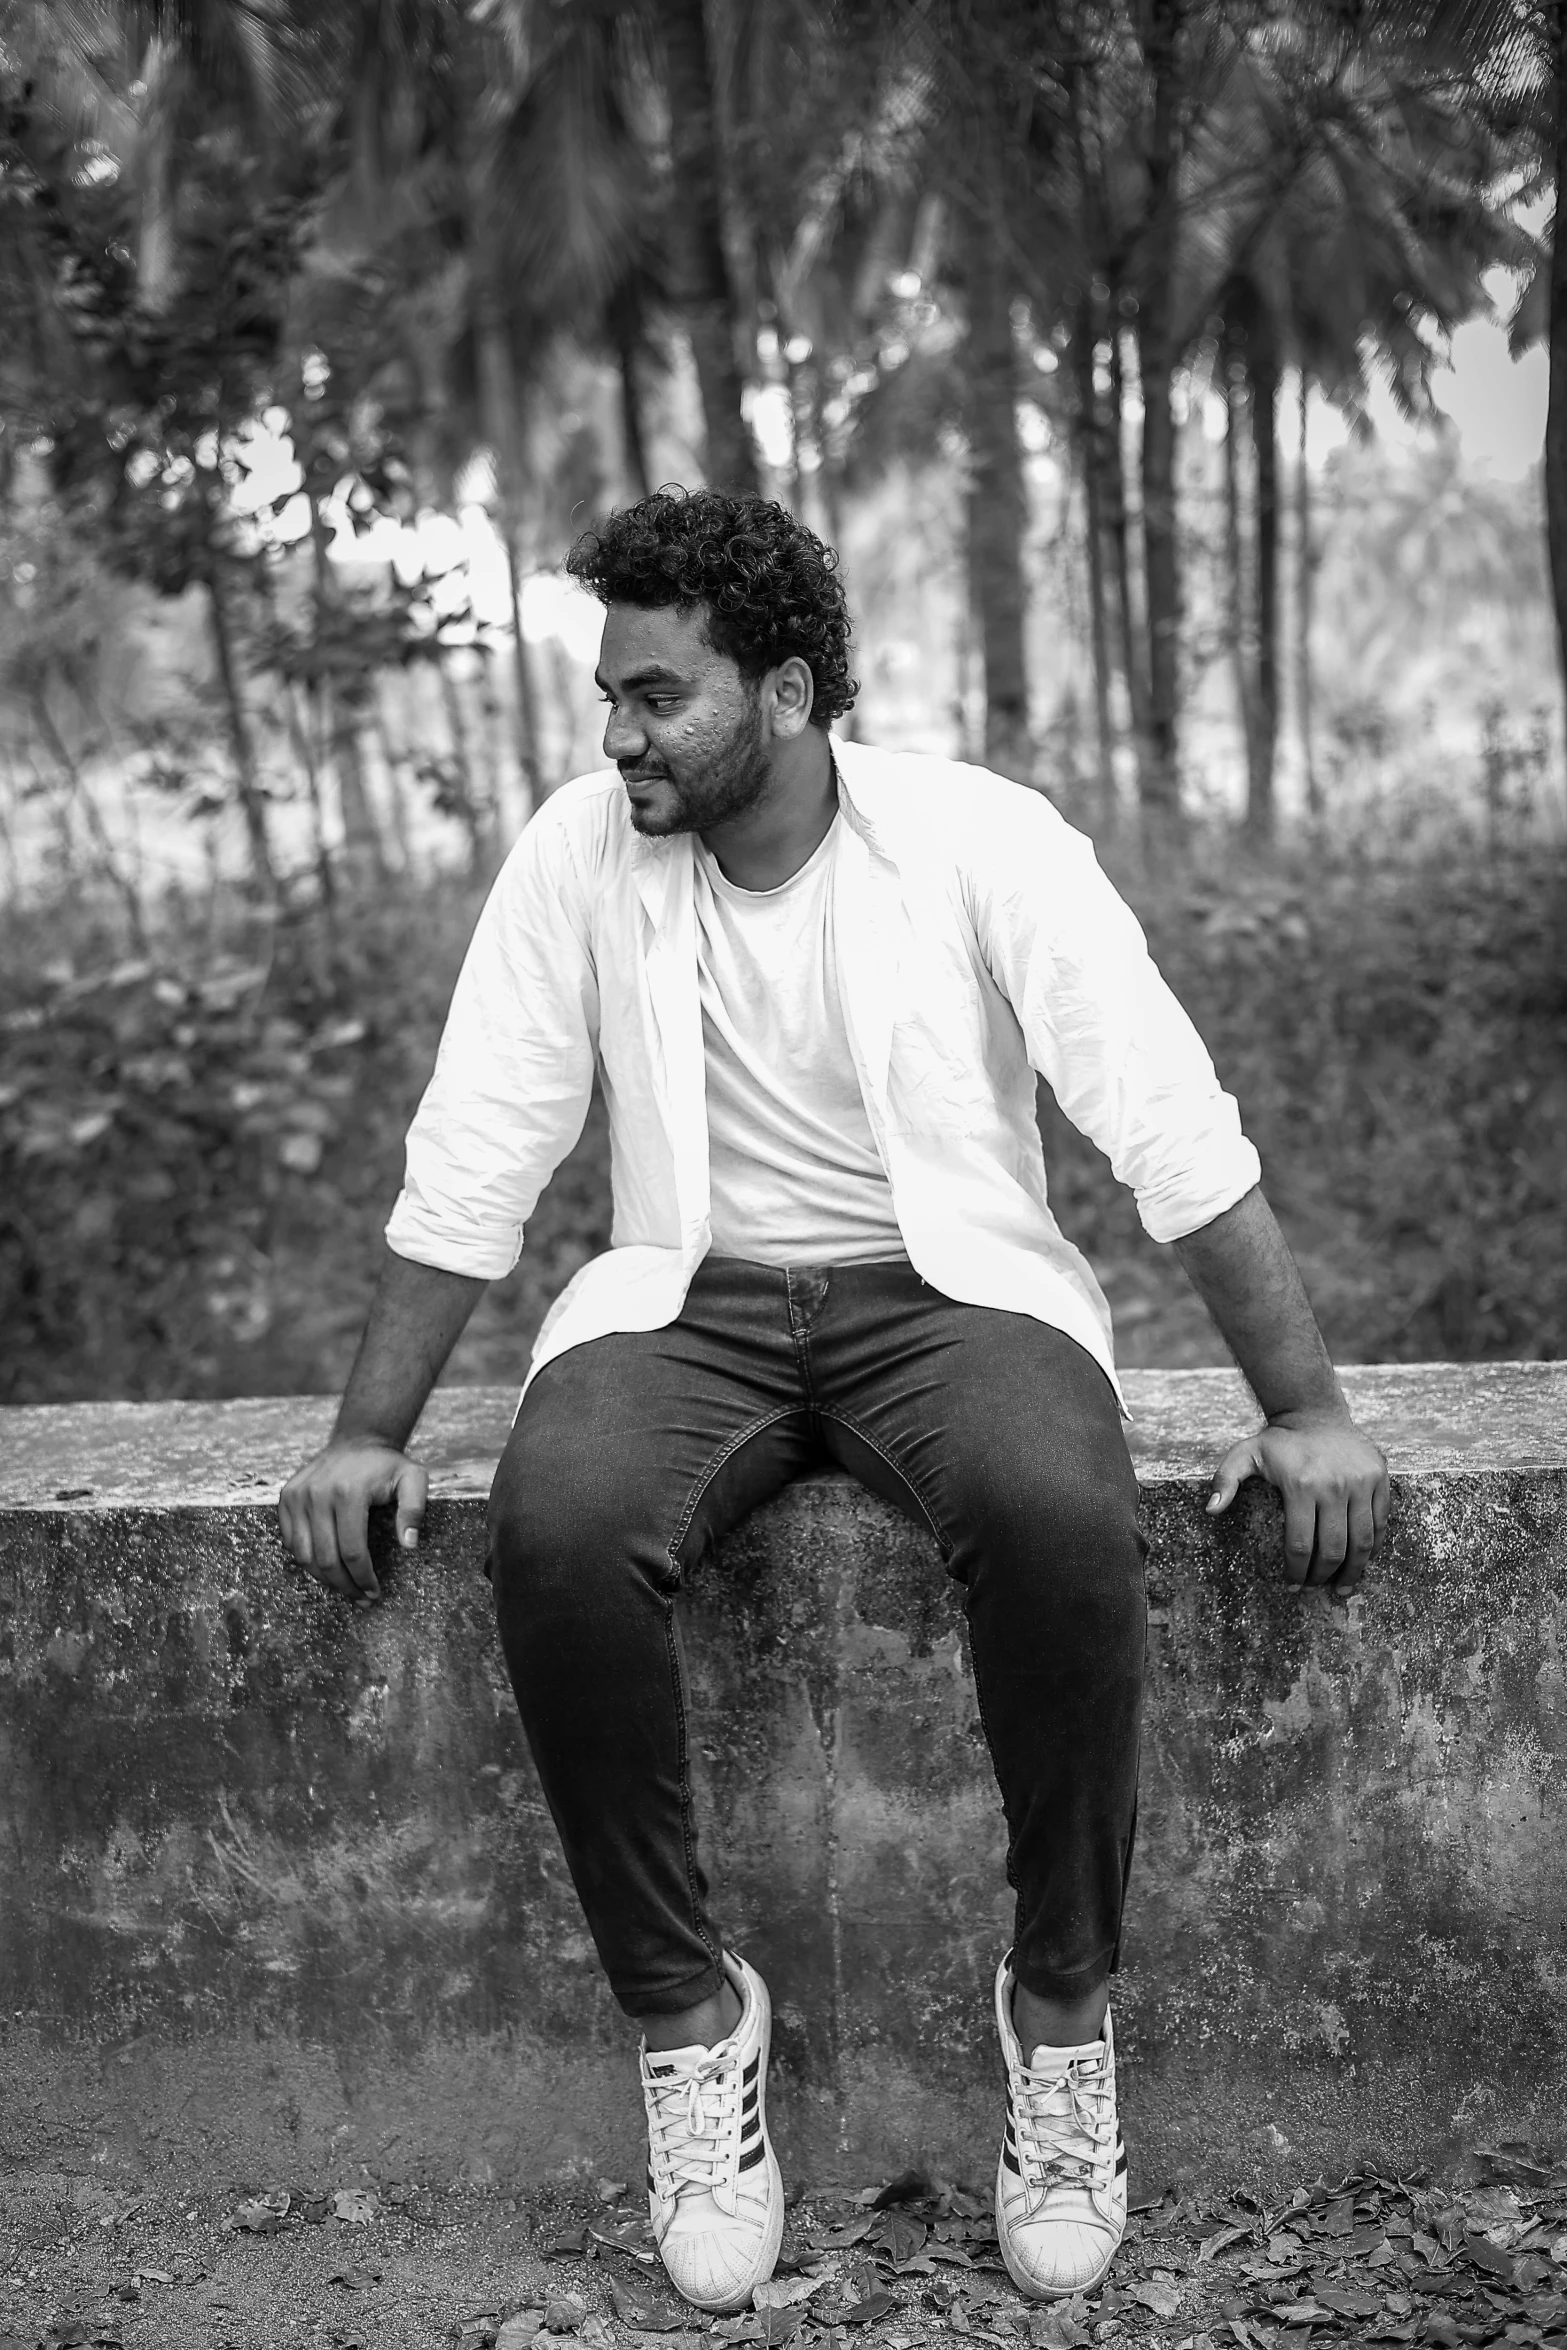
x: 198, y: 1149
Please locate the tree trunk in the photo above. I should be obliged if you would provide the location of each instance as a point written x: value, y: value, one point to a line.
x: 1157, y: 357
x: 1556, y: 405
x: 1260, y: 807
x: 470, y: 810
x: 246, y: 779
x: 1304, y: 584
x: 1239, y: 604
x: 1130, y: 636
x: 703, y: 284
x: 503, y: 431
x: 1091, y: 436
x: 997, y: 502
x: 361, y: 834
x: 632, y: 430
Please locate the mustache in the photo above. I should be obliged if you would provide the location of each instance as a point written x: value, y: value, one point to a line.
x: 645, y: 775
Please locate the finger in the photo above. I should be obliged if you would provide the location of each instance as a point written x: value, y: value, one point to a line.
x: 325, y: 1561
x: 1239, y: 1463
x: 295, y: 1529
x: 288, y: 1534
x: 1332, y: 1544
x: 328, y: 1574
x: 412, y: 1491
x: 1300, y: 1534
x: 1380, y: 1498
x: 1362, y: 1543
x: 351, y: 1519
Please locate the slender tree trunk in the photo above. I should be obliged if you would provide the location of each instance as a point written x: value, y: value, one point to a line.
x: 1556, y: 405
x: 1091, y: 445
x: 396, y: 792
x: 1305, y: 581
x: 473, y: 814
x: 1261, y: 810
x: 1130, y: 637
x: 1157, y: 358
x: 704, y: 286
x: 632, y: 429
x: 1239, y: 602
x: 997, y: 502
x: 246, y: 778
x: 503, y: 431
x: 361, y: 834
x: 314, y: 731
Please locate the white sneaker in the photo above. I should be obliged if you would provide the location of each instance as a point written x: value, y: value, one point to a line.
x: 1061, y: 2179
x: 715, y: 2195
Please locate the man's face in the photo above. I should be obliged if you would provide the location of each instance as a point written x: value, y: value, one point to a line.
x: 684, y: 728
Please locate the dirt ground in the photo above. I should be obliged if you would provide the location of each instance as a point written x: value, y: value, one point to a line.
x: 898, y: 2266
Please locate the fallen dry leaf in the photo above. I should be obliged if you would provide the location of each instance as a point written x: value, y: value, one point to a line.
x: 1155, y: 2294
x: 564, y: 2313
x: 1060, y: 2328
x: 647, y: 2313
x: 356, y: 2206
x: 865, y: 2312
x: 518, y: 2331
x: 783, y: 2292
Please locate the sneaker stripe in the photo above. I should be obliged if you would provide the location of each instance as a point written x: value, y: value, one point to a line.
x: 1010, y: 2161
x: 1120, y: 2164
x: 751, y: 2071
x: 749, y: 2161
x: 750, y: 2101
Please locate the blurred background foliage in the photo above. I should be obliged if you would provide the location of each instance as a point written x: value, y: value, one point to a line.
x: 327, y: 326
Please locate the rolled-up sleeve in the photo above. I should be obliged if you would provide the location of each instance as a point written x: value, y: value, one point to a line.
x: 1103, y: 1029
x: 514, y: 1073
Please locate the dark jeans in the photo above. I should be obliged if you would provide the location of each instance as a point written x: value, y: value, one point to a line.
x: 632, y: 1454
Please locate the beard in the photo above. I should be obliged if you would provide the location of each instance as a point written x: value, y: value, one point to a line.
x: 703, y: 792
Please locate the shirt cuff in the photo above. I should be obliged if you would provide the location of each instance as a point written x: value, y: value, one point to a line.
x: 483, y: 1253
x: 1172, y: 1211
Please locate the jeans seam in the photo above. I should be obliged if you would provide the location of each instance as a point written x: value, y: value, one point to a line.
x: 688, y: 1840
x: 725, y: 1453
x: 844, y: 1420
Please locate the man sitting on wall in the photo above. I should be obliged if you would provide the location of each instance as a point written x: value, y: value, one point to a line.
x: 816, y: 982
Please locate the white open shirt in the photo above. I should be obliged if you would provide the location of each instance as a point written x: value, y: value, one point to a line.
x: 977, y: 941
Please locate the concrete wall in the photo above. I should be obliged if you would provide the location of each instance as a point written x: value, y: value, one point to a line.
x: 279, y: 1890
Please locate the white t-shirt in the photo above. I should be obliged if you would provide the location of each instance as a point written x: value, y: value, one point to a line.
x: 796, y: 1176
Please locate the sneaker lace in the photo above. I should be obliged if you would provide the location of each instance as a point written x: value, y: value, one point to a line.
x: 694, y: 2126
x: 1066, y: 2128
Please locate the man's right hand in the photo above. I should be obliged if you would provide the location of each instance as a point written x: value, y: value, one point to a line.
x: 323, y: 1511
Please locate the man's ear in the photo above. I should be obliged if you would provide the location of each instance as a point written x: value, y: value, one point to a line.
x: 793, y: 697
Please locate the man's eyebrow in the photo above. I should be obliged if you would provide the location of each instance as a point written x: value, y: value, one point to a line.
x: 654, y: 674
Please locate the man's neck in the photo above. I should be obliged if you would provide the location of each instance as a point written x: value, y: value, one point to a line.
x: 768, y: 844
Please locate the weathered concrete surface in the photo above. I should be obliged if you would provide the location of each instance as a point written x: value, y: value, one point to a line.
x: 279, y: 1888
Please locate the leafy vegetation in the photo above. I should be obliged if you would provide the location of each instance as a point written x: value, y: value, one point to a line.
x: 198, y: 1145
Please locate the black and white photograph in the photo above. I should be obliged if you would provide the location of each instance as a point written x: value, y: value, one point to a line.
x: 783, y: 1247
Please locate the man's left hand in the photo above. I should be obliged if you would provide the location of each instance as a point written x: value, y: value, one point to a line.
x: 1333, y: 1483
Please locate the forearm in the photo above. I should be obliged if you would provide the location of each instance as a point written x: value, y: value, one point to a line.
x: 416, y: 1317
x: 1241, y: 1268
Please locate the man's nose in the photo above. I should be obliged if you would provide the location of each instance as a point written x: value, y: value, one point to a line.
x: 623, y: 739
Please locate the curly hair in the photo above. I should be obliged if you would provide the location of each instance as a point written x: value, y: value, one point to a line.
x: 767, y: 586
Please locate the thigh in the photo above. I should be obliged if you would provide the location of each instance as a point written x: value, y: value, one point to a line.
x: 656, y: 1440
x: 989, y: 1425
